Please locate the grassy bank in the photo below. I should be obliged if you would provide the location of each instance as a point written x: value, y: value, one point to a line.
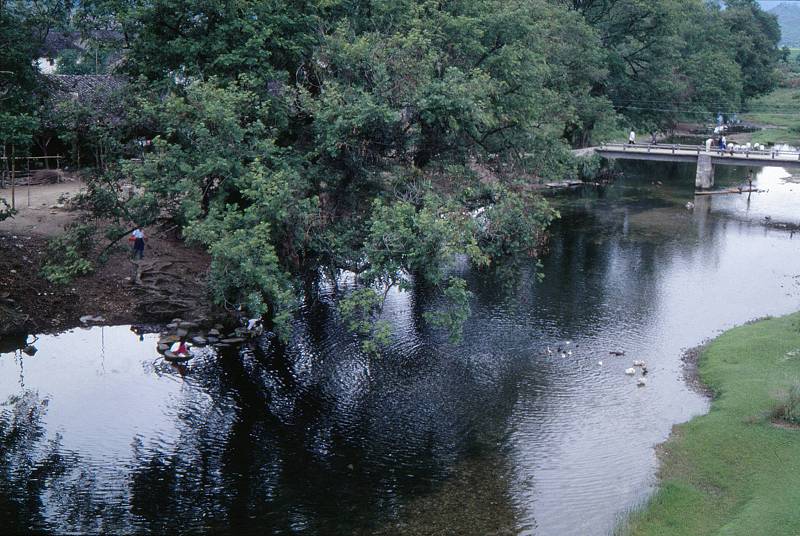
x: 783, y: 124
x: 734, y: 471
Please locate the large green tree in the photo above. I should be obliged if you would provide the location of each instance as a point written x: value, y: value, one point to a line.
x: 299, y: 141
x: 682, y: 59
x: 306, y: 140
x: 754, y: 36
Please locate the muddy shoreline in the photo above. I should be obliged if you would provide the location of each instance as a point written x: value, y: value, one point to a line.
x: 30, y: 304
x: 691, y: 373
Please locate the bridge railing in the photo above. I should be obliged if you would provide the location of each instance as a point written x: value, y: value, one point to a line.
x: 739, y: 152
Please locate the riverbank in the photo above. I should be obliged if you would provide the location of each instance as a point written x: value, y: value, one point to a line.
x: 735, y: 470
x: 780, y: 124
x: 169, y: 282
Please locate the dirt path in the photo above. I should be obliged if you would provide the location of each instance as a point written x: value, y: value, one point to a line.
x: 39, y: 219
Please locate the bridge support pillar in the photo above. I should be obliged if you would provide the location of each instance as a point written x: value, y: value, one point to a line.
x: 705, y: 172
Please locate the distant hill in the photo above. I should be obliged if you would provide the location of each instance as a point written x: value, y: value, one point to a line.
x: 789, y: 18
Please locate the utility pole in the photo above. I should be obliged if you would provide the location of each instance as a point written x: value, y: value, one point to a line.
x: 13, y: 169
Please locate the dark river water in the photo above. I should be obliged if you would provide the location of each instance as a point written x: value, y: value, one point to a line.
x: 493, y: 435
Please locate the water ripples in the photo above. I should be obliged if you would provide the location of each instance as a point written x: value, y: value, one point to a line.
x: 495, y: 433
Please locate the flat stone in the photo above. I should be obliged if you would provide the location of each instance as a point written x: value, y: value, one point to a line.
x: 213, y: 332
x: 212, y: 340
x: 180, y: 332
x: 189, y: 325
x: 177, y: 358
x: 172, y: 325
x: 169, y: 339
x: 30, y: 350
x: 177, y: 320
x: 233, y: 340
x: 199, y: 340
x: 163, y: 347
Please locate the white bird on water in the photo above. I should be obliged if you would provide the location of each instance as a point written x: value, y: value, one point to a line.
x: 630, y: 371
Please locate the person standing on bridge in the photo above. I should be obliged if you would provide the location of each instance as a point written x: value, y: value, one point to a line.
x: 723, y: 143
x: 632, y: 138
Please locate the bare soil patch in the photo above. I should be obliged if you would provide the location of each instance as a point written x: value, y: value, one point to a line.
x: 170, y: 281
x: 39, y: 219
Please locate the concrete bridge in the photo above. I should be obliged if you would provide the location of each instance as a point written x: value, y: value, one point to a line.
x: 705, y: 160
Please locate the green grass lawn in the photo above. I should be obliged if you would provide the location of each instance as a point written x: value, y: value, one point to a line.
x: 733, y: 472
x: 785, y: 103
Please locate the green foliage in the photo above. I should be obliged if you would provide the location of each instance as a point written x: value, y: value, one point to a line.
x: 245, y: 270
x: 67, y: 254
x: 455, y: 313
x: 24, y: 26
x: 678, y: 59
x: 755, y: 38
x: 359, y: 310
x: 302, y: 140
x: 341, y: 153
x: 589, y: 167
x: 90, y: 61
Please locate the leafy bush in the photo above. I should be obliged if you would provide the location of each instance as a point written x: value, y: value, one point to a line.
x: 67, y: 255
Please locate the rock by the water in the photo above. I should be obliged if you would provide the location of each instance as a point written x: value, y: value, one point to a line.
x: 232, y: 340
x: 30, y: 349
x: 169, y: 339
x: 86, y: 319
x: 163, y: 347
x: 172, y: 325
x: 213, y: 332
x: 171, y: 356
x: 188, y: 325
x: 180, y: 332
x: 199, y: 340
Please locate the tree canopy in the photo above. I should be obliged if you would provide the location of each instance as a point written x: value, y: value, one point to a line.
x: 309, y: 143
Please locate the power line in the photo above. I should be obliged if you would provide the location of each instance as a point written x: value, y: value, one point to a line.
x: 700, y: 112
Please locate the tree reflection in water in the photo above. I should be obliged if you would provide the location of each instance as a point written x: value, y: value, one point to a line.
x: 274, y: 443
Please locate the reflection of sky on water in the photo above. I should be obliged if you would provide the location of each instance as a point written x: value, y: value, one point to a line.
x: 114, y: 386
x: 487, y: 435
x: 779, y: 187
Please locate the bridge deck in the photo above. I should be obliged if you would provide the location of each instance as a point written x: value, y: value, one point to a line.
x: 689, y: 153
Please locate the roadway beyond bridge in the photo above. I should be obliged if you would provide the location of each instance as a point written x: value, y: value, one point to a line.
x: 705, y: 160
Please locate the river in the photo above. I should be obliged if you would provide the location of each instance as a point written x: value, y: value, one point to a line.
x: 493, y: 435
